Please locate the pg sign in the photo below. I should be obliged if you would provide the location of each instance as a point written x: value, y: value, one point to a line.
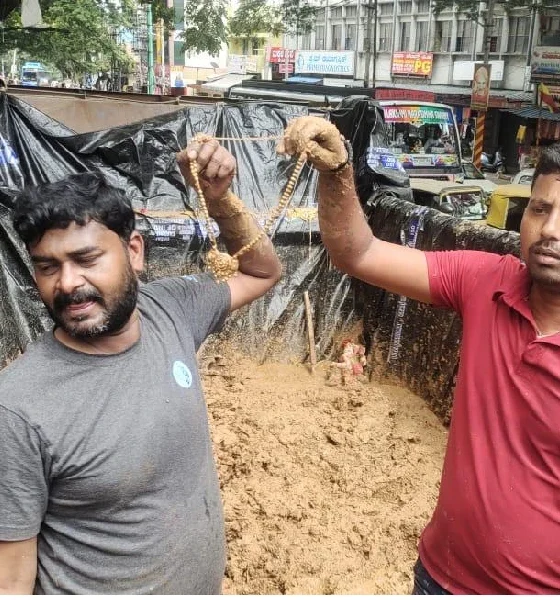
x: 416, y: 64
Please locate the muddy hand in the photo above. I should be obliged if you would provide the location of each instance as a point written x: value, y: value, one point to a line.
x: 319, y: 138
x: 216, y: 167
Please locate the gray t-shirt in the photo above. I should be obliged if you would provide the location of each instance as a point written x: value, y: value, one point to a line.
x: 108, y: 458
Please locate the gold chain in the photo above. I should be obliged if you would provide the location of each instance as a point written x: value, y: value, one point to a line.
x: 221, y: 264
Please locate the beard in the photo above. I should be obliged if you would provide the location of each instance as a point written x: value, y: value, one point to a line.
x: 546, y: 275
x: 113, y: 314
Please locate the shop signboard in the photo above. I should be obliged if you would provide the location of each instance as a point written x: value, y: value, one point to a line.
x: 545, y: 64
x: 286, y: 68
x: 325, y: 63
x: 281, y: 55
x: 415, y: 64
x: 418, y: 114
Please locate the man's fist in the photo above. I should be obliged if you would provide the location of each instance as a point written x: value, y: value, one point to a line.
x: 216, y: 167
x: 319, y: 138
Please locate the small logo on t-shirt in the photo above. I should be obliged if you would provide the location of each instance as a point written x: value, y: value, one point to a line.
x: 182, y: 374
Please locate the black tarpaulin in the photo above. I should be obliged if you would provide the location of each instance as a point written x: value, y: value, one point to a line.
x: 140, y: 158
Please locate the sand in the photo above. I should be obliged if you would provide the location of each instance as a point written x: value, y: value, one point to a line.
x: 326, y: 487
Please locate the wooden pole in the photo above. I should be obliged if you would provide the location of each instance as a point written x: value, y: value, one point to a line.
x: 310, y: 331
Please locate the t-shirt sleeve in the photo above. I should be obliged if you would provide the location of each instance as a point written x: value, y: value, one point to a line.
x: 456, y: 274
x: 23, y: 485
x: 202, y: 302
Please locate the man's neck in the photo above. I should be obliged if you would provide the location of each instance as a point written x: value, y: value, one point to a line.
x: 111, y: 343
x: 545, y: 307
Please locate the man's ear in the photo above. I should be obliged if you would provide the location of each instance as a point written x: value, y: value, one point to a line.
x: 135, y: 247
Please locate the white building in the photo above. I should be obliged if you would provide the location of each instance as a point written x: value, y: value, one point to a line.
x: 412, y: 26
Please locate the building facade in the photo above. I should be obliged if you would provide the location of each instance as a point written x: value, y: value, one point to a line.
x: 412, y: 26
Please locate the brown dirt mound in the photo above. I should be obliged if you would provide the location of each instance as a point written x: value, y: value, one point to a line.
x: 326, y: 488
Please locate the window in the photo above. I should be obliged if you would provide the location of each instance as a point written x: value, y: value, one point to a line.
x: 519, y: 34
x: 494, y: 37
x: 336, y: 40
x: 320, y: 15
x: 179, y: 11
x: 423, y: 7
x: 442, y: 36
x: 405, y: 36
x: 421, y: 42
x: 405, y: 7
x: 464, y: 40
x: 351, y: 12
x: 179, y: 54
x: 384, y: 10
x: 336, y: 13
x: 320, y: 37
x: 385, y: 37
x: 350, y: 39
x: 306, y: 42
x: 257, y: 45
x: 551, y: 31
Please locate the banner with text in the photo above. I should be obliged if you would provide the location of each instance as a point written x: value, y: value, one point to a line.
x: 545, y: 64
x: 417, y: 64
x: 325, y: 63
x: 416, y: 114
x: 481, y: 86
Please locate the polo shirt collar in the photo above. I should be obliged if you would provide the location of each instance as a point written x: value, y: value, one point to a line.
x: 515, y: 294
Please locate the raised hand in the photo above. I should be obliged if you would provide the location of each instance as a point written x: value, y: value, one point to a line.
x: 216, y: 167
x: 319, y: 138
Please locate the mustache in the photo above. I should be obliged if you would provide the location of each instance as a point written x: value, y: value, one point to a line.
x: 61, y: 301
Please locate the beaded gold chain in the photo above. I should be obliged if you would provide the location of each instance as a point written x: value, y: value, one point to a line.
x: 221, y: 264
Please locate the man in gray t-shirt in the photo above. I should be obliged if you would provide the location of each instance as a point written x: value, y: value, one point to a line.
x: 107, y: 479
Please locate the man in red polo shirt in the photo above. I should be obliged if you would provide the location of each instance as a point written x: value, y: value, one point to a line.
x: 496, y: 527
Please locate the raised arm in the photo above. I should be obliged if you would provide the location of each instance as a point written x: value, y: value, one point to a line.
x: 344, y: 230
x: 259, y: 269
x: 18, y: 567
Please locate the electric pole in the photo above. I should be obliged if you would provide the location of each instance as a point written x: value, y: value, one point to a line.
x: 150, y: 27
x: 367, y: 42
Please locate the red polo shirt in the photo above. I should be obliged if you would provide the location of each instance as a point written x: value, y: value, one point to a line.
x: 496, y: 527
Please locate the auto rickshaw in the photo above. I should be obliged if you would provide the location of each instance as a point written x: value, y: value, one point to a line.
x: 506, y: 206
x: 454, y: 199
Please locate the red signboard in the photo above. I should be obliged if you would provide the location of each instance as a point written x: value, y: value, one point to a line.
x: 280, y: 55
x: 481, y: 86
x: 285, y: 68
x: 399, y: 94
x: 416, y: 64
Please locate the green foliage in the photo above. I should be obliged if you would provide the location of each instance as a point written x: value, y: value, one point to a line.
x: 206, y: 28
x: 258, y: 16
x: 160, y: 10
x: 76, y: 37
x: 252, y: 17
x: 298, y: 16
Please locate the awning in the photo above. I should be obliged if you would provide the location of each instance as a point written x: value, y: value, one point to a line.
x: 223, y: 84
x: 302, y: 79
x: 535, y: 112
x: 509, y: 95
x: 283, y: 95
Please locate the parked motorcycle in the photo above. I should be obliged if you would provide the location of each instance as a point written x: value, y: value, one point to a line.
x: 492, y: 164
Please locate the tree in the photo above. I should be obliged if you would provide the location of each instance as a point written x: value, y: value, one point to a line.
x: 206, y: 29
x: 252, y: 17
x: 76, y: 37
x: 295, y: 17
